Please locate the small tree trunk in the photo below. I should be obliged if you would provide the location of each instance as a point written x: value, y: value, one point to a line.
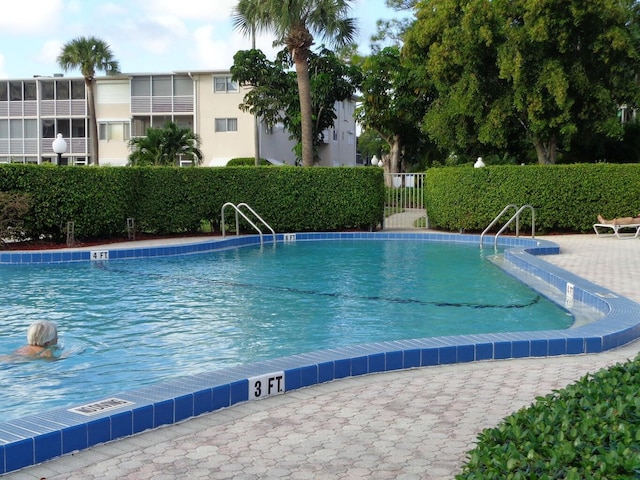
x: 93, y: 121
x: 546, y: 151
x: 306, y: 116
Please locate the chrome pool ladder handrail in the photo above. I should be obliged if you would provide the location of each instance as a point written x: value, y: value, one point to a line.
x: 516, y: 217
x: 238, y: 210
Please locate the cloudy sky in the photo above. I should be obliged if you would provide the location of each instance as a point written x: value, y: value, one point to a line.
x: 151, y: 36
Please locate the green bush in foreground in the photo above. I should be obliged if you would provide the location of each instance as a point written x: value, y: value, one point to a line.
x: 588, y: 430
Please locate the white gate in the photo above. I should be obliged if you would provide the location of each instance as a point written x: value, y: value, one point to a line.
x: 404, y: 204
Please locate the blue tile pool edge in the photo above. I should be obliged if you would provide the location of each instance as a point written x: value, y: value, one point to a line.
x: 37, y: 438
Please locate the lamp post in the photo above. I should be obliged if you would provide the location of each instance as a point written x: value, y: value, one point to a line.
x: 59, y: 146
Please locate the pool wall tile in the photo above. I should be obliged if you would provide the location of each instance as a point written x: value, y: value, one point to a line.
x: 122, y: 424
x: 202, y: 402
x: 377, y: 363
x: 221, y: 396
x: 393, y: 361
x: 38, y: 438
x: 359, y: 366
x: 343, y: 368
x: 183, y: 407
x: 484, y: 351
x: 163, y: 413
x: 465, y: 353
x: 239, y: 392
x: 430, y: 357
x: 19, y: 454
x: 98, y: 431
x: 76, y: 438
x: 142, y: 418
x: 411, y: 358
x: 46, y: 446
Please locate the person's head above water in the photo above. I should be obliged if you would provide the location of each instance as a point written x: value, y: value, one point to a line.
x: 42, y: 334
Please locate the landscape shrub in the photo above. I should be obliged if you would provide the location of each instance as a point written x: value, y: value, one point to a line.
x: 588, y: 430
x: 566, y: 198
x: 169, y: 200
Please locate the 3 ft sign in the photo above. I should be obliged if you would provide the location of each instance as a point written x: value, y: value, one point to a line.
x: 266, y: 385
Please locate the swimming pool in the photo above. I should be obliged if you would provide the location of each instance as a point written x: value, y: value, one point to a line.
x: 39, y: 437
x: 126, y: 324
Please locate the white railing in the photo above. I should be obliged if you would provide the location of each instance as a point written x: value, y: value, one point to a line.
x: 404, y: 202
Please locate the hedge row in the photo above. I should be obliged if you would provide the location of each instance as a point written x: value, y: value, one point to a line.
x: 566, y: 198
x: 590, y: 429
x: 168, y: 200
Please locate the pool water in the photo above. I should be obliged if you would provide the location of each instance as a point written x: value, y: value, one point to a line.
x: 124, y: 324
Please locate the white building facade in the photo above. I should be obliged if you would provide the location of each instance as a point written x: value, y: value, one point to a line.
x: 33, y: 111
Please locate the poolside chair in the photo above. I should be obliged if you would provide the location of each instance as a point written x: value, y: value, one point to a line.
x: 616, y: 229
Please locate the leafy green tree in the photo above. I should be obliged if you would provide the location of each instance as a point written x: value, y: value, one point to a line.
x: 165, y: 147
x: 551, y: 69
x: 273, y: 93
x: 391, y: 105
x: 295, y: 23
x: 89, y: 54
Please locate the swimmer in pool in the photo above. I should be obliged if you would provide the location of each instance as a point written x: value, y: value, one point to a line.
x: 42, y: 338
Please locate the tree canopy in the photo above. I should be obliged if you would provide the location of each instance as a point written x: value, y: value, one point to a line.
x: 294, y: 24
x: 165, y: 147
x: 89, y: 54
x: 502, y: 69
x: 273, y: 96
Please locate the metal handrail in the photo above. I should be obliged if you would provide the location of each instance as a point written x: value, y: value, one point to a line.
x: 516, y: 217
x: 240, y: 205
x: 239, y: 212
x: 495, y: 220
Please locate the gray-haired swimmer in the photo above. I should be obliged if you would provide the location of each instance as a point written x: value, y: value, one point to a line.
x: 42, y: 340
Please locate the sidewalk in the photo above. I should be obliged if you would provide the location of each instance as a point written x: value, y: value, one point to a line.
x: 412, y: 424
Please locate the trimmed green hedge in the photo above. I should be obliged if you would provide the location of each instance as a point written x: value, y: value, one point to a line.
x: 588, y: 430
x: 170, y: 200
x: 566, y: 198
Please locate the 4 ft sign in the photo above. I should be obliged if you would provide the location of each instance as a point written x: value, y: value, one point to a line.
x: 266, y: 385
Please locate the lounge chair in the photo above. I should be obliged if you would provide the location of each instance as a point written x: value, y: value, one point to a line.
x: 616, y: 229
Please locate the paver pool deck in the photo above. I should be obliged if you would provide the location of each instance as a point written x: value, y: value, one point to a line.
x: 408, y: 424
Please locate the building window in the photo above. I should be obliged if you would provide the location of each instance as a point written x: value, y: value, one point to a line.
x: 182, y: 85
x: 226, y: 124
x: 141, y: 86
x: 77, y: 89
x: 15, y: 91
x: 140, y: 126
x: 47, y: 90
x: 161, y: 86
x: 48, y: 128
x: 4, y: 91
x: 224, y: 85
x: 62, y: 90
x: 113, y: 131
x: 31, y: 128
x: 30, y: 90
x: 63, y: 126
x: 78, y: 128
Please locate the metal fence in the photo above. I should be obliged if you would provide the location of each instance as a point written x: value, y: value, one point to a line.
x: 404, y: 204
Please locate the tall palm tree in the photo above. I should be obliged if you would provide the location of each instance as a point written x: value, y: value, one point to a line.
x: 165, y: 146
x: 294, y: 23
x: 89, y: 54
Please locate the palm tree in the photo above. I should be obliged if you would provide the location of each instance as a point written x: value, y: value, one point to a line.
x: 165, y: 146
x: 294, y: 23
x: 89, y: 54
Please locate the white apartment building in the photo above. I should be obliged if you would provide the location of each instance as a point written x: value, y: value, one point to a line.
x: 33, y: 111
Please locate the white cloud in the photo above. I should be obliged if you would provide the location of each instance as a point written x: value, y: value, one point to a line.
x: 29, y: 16
x: 204, y: 10
x: 48, y: 55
